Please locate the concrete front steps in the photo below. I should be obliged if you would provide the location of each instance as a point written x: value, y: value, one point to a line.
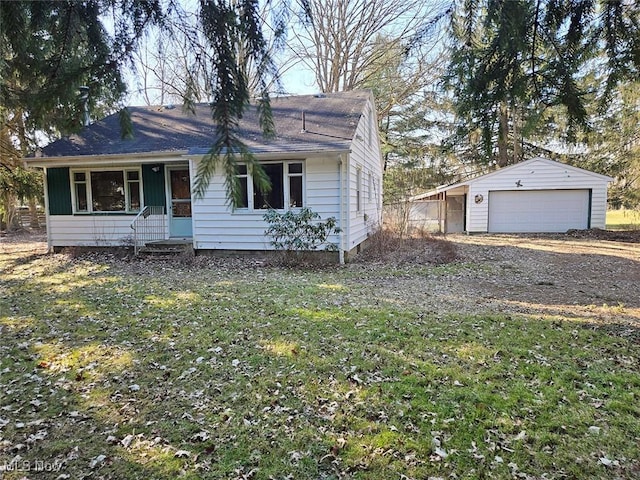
x: 170, y: 247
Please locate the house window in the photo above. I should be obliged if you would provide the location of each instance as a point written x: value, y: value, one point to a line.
x: 133, y: 186
x: 106, y: 191
x: 370, y: 187
x: 274, y: 198
x: 295, y: 185
x: 287, y: 187
x: 241, y: 175
x: 80, y: 185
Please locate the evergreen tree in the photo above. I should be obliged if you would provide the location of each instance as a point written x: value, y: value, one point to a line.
x: 48, y: 49
x: 234, y: 34
x: 515, y: 60
x: 612, y: 146
x: 51, y: 48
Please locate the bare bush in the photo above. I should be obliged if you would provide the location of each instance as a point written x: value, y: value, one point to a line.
x: 423, y: 248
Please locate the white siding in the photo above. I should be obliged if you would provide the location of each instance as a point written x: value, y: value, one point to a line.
x: 537, y: 174
x: 366, y: 156
x: 216, y: 227
x: 90, y: 230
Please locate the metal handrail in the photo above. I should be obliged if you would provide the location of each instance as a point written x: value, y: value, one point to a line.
x: 148, y: 226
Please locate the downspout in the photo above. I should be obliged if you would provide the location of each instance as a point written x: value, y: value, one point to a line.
x: 341, y: 210
x: 446, y: 217
x: 192, y: 169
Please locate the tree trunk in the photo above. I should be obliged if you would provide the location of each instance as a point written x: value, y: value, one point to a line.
x: 503, y: 136
x: 517, y: 137
x: 33, y: 214
x: 10, y: 219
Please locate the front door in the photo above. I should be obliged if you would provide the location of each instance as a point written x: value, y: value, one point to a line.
x: 180, y: 208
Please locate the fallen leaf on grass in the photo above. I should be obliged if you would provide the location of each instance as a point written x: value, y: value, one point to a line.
x: 607, y: 462
x: 40, y: 435
x: 97, y: 461
x: 521, y: 436
x: 126, y: 441
x: 441, y: 452
x: 202, y: 436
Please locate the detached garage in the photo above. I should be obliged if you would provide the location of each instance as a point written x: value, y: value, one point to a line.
x: 538, y: 195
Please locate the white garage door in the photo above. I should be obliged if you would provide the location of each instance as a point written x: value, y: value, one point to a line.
x: 538, y: 210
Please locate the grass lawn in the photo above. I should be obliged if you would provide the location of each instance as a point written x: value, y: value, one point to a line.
x: 161, y: 370
x: 623, y: 219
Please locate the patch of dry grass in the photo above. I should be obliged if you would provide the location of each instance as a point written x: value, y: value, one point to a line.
x: 421, y: 249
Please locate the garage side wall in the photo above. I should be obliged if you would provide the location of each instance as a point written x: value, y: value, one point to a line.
x: 534, y: 175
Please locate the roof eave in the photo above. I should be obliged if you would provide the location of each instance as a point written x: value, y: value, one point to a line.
x: 181, y: 155
x: 438, y: 190
x: 113, y: 159
x: 446, y: 188
x: 285, y: 153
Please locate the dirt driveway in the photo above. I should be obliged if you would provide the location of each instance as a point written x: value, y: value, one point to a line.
x: 571, y: 277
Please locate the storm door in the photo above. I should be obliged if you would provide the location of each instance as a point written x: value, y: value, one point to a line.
x: 180, y: 206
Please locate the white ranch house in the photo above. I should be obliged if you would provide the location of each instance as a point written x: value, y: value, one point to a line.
x: 534, y: 196
x: 326, y: 156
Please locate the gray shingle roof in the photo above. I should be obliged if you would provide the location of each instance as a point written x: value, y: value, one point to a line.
x: 331, y: 121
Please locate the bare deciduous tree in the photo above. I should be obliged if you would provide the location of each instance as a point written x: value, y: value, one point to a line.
x: 175, y: 62
x: 392, y: 48
x: 337, y: 39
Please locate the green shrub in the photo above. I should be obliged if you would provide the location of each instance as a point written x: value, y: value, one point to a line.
x: 300, y: 230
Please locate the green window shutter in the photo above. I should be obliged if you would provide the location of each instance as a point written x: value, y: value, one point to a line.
x: 153, y: 185
x: 59, y: 191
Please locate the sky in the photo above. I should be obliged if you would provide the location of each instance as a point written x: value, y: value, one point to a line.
x: 296, y: 79
x: 299, y: 81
